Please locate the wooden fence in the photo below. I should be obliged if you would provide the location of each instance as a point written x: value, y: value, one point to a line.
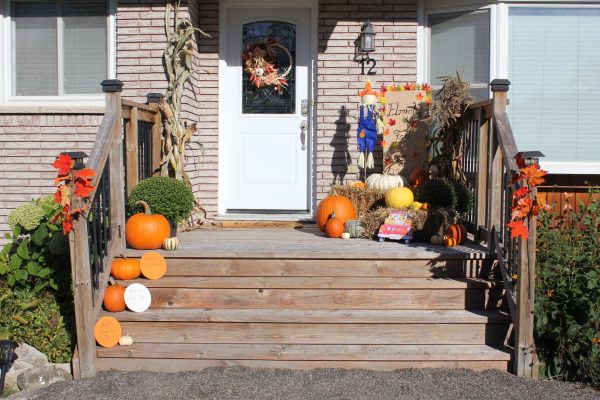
x: 129, y: 132
x: 489, y: 164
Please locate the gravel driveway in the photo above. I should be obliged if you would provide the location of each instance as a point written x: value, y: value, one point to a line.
x: 250, y: 384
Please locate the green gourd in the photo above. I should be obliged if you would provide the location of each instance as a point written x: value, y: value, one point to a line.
x: 355, y: 228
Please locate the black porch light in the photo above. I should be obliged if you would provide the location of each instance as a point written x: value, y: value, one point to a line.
x: 7, y: 357
x: 367, y: 38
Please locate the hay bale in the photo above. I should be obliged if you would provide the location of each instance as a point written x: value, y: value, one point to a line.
x: 425, y: 223
x: 363, y: 199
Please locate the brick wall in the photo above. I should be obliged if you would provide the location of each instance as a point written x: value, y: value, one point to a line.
x: 28, y: 145
x: 339, y: 78
x: 140, y: 45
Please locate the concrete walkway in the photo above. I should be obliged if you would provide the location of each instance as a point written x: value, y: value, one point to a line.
x: 326, y: 384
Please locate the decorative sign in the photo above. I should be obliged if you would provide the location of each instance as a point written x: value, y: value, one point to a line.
x: 107, y: 331
x: 404, y: 112
x: 153, y: 265
x: 137, y: 297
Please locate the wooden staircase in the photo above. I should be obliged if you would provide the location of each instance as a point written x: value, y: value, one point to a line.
x: 317, y: 312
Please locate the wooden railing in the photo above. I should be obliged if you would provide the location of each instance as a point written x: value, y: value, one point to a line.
x: 489, y: 163
x: 99, y: 233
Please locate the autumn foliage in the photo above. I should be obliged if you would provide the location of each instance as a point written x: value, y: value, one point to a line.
x: 71, y: 184
x: 524, y: 203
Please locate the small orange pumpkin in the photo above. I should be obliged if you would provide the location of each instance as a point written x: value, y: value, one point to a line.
x: 146, y: 231
x: 359, y: 184
x: 418, y: 176
x: 125, y: 268
x: 114, y: 298
x: 342, y: 206
x: 457, y: 232
x: 334, y: 227
x: 449, y: 242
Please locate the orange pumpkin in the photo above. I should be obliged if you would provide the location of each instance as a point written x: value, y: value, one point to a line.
x: 125, y: 268
x: 359, y: 184
x: 334, y: 227
x: 449, y: 242
x: 340, y: 205
x: 418, y: 176
x: 146, y: 231
x: 114, y: 298
x: 457, y: 232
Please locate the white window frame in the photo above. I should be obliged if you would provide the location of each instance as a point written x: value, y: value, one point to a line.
x: 8, y: 102
x: 499, y: 14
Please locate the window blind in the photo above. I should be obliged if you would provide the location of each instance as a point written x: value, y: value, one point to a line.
x: 554, y: 68
x: 85, y: 46
x: 35, y: 53
x: 460, y: 42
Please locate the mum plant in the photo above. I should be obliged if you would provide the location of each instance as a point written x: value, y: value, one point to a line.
x: 166, y: 196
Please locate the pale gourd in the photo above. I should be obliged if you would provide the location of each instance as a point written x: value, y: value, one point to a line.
x: 171, y: 244
x: 126, y: 340
x: 345, y: 236
x: 385, y: 182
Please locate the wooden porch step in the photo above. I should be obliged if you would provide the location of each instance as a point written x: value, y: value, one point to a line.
x: 179, y: 365
x: 318, y: 267
x: 315, y: 333
x: 312, y: 282
x: 340, y: 299
x: 315, y: 316
x: 304, y: 352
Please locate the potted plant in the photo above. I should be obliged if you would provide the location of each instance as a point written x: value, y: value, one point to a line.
x: 166, y: 196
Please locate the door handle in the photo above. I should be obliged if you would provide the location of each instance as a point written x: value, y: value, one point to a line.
x: 303, y: 132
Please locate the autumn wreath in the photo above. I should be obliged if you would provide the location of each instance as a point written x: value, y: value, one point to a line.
x: 260, y: 64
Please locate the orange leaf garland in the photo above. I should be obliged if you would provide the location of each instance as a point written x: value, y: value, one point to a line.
x: 524, y: 204
x: 518, y: 229
x: 63, y: 164
x: 70, y: 183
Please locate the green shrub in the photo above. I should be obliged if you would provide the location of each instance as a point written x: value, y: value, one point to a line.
x: 43, y: 321
x: 567, y: 325
x: 464, y: 196
x: 437, y: 192
x: 166, y: 196
x: 36, y: 256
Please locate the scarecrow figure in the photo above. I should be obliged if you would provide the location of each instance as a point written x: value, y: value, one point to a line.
x: 367, y: 129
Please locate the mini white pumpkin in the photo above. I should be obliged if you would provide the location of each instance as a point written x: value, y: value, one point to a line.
x: 345, y: 236
x: 126, y: 340
x: 385, y: 182
x: 171, y: 244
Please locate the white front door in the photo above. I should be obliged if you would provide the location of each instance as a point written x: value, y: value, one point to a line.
x: 267, y: 127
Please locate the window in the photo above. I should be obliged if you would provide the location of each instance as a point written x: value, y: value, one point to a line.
x: 460, y: 42
x: 59, y: 47
x: 553, y: 66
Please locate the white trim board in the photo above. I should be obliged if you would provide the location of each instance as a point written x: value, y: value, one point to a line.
x: 222, y: 124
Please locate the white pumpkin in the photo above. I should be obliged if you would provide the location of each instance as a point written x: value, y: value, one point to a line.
x: 126, y: 340
x: 345, y: 236
x: 385, y: 182
x: 171, y: 244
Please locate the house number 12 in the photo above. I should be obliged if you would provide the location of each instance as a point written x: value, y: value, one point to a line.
x: 365, y: 63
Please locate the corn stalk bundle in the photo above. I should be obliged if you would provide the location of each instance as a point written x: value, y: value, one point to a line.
x: 178, y: 63
x: 447, y: 142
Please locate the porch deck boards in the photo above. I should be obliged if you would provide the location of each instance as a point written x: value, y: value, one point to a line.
x: 306, y: 243
x: 292, y: 298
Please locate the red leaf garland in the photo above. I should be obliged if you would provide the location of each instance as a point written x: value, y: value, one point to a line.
x: 70, y: 182
x: 524, y: 203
